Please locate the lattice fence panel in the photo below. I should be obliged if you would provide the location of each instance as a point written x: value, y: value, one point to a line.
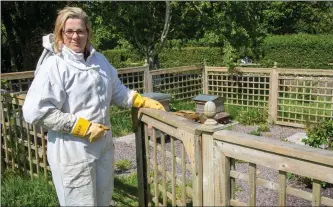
x: 179, y: 85
x: 133, y: 80
x: 18, y: 85
x: 23, y: 145
x: 305, y: 98
x: 240, y: 89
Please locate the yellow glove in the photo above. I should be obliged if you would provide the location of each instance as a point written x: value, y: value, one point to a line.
x: 85, y: 129
x: 139, y: 101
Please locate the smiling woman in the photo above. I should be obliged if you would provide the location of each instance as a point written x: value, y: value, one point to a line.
x: 73, y: 29
x: 75, y: 35
x: 71, y: 96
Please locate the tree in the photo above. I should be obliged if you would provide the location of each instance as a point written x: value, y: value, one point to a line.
x: 23, y: 25
x: 145, y: 25
x: 239, y: 27
x: 309, y: 17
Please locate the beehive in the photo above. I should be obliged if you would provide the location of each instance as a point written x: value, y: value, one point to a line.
x: 201, y: 99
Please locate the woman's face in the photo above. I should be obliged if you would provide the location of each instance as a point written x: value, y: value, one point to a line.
x: 75, y: 35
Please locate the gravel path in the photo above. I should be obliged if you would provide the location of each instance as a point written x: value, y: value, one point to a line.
x: 125, y: 149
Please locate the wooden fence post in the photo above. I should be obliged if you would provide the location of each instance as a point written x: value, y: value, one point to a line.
x: 204, y: 79
x: 211, y: 165
x: 141, y: 159
x: 273, y: 94
x: 146, y: 77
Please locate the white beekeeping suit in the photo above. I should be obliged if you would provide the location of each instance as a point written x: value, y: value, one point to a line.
x: 66, y: 87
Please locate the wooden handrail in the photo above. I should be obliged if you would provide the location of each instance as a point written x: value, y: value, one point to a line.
x: 276, y: 146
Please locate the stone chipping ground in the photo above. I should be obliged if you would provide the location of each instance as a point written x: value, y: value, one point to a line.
x: 125, y: 149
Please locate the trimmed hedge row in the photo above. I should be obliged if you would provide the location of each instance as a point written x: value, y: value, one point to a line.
x: 191, y: 56
x: 123, y: 58
x: 298, y: 51
x: 294, y: 51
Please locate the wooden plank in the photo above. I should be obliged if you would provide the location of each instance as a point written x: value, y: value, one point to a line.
x: 205, y: 80
x: 173, y: 169
x: 286, y: 149
x: 139, y: 159
x: 252, y: 184
x: 161, y: 119
x: 225, y: 179
x: 183, y: 167
x: 300, y: 71
x: 278, y: 162
x: 232, y: 180
x: 131, y: 70
x: 36, y: 147
x: 218, y: 179
x: 282, y: 188
x: 163, y: 152
x: 273, y: 96
x: 316, y: 192
x: 29, y: 149
x: 155, y: 167
x: 208, y: 169
x: 44, y: 153
x: 149, y: 199
x: 4, y: 129
x: 197, y: 172
x: 18, y: 75
x: 175, y: 70
x: 284, y: 123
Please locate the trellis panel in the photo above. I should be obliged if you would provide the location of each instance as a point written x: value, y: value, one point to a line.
x: 304, y: 98
x: 181, y: 83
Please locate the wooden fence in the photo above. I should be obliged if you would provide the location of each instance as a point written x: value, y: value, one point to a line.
x: 291, y: 97
x: 211, y: 154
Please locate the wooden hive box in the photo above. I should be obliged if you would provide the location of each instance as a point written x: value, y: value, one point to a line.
x: 201, y: 99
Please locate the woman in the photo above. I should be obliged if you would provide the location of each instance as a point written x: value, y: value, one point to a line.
x: 71, y: 96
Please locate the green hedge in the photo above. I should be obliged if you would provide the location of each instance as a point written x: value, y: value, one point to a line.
x: 298, y: 51
x: 293, y: 51
x: 191, y: 56
x: 123, y: 58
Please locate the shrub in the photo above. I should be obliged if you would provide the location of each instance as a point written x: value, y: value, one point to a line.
x: 255, y: 132
x: 320, y: 134
x: 263, y: 128
x: 252, y: 116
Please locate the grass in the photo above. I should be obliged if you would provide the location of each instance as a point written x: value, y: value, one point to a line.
x: 182, y: 105
x: 121, y: 121
x: 20, y: 190
x: 123, y: 165
x: 126, y: 190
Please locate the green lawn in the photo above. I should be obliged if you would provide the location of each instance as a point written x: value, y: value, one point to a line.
x: 20, y: 190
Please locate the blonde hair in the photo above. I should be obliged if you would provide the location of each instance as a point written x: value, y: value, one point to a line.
x: 70, y: 13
